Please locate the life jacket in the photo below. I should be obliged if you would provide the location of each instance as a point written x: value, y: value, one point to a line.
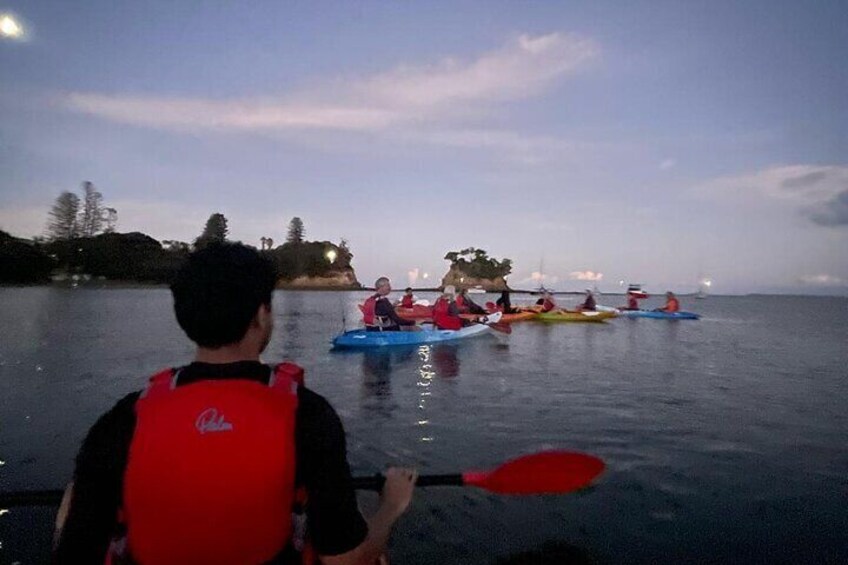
x: 369, y: 313
x: 407, y: 301
x: 548, y: 305
x: 210, y: 476
x: 632, y: 302
x: 672, y: 305
x: 442, y: 317
x: 369, y: 309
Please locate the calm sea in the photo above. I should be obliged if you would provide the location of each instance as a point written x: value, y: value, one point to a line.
x: 726, y: 439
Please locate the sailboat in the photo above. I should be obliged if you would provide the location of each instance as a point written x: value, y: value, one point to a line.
x: 541, y: 289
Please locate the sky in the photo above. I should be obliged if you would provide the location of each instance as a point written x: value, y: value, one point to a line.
x: 590, y: 142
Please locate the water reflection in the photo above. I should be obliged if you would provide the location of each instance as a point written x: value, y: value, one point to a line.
x: 445, y: 360
x: 376, y: 393
x: 425, y: 381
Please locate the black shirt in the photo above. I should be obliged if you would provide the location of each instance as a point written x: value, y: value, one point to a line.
x: 385, y: 309
x: 335, y: 524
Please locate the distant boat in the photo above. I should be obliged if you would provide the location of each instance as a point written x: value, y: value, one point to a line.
x: 636, y: 290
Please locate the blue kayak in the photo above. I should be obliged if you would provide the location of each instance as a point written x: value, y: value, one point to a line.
x: 658, y: 315
x: 356, y: 339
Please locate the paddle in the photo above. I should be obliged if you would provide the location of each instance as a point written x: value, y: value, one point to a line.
x: 545, y: 472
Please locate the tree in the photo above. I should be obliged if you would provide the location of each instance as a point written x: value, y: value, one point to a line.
x: 91, y: 215
x: 214, y: 232
x: 63, y: 223
x: 110, y: 218
x: 295, y: 231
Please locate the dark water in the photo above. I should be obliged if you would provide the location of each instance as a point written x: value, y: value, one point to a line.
x: 726, y: 439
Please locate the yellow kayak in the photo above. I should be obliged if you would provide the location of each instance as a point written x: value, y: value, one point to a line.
x: 566, y: 316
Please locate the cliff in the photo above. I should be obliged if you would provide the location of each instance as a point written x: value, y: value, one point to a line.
x: 345, y: 279
x: 458, y: 278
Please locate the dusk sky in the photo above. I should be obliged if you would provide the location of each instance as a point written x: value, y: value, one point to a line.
x: 653, y: 142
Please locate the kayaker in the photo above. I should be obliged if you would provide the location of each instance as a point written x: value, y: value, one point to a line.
x: 408, y: 300
x: 466, y: 305
x: 504, y: 304
x: 445, y: 311
x: 379, y: 313
x: 671, y: 303
x: 546, y: 303
x: 632, y: 301
x: 207, y: 464
x: 589, y: 304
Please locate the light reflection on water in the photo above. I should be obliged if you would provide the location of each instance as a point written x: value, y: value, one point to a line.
x: 724, y: 438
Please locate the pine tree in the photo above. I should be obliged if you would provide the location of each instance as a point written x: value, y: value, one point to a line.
x: 63, y: 222
x: 91, y: 215
x: 295, y: 231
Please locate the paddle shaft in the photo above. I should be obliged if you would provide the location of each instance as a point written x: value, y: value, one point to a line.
x: 375, y: 482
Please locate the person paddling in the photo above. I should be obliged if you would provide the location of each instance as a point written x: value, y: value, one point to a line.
x: 379, y: 314
x: 446, y: 312
x: 671, y: 303
x: 209, y: 462
x: 546, y: 303
x: 504, y: 304
x: 408, y: 300
x: 632, y: 301
x: 466, y: 305
x: 589, y: 304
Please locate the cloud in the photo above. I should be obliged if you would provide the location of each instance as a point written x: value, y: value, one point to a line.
x: 667, y: 164
x: 833, y: 212
x: 444, y: 94
x: 822, y: 280
x: 585, y: 276
x: 817, y: 192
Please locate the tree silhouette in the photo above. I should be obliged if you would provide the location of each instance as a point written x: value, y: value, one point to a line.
x: 214, y: 232
x: 63, y: 223
x: 295, y: 231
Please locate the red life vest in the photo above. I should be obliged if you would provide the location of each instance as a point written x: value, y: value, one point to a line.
x: 460, y: 303
x: 211, y: 470
x: 369, y: 310
x: 407, y: 301
x: 547, y: 305
x: 442, y: 316
x: 672, y: 305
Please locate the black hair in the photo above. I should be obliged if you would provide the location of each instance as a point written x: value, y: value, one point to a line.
x: 408, y: 289
x: 218, y: 291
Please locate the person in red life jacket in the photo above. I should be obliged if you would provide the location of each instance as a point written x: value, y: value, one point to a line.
x: 378, y: 312
x: 446, y: 312
x: 408, y: 300
x: 589, y: 304
x: 632, y: 301
x: 466, y: 305
x: 671, y: 303
x: 546, y: 303
x: 208, y: 463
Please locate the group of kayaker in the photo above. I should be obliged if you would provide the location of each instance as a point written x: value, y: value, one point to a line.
x: 380, y: 315
x: 447, y: 313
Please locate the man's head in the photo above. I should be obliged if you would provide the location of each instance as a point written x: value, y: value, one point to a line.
x: 449, y: 291
x: 408, y: 290
x: 383, y: 286
x: 669, y: 294
x: 222, y: 296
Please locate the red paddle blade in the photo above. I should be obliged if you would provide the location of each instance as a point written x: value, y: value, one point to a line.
x: 502, y: 327
x: 548, y: 472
